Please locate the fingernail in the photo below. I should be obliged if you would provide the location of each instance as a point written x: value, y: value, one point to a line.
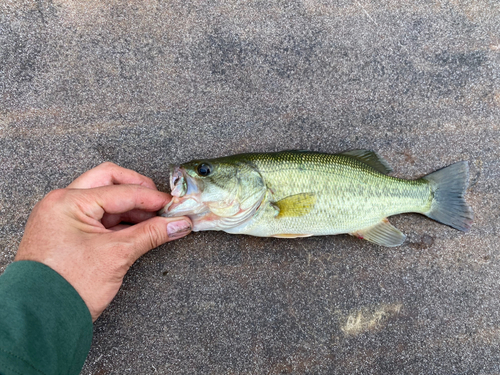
x: 177, y: 229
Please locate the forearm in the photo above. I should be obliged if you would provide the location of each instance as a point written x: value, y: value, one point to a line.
x: 45, y: 326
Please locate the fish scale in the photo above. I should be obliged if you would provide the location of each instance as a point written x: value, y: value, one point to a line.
x: 350, y: 194
x: 302, y: 193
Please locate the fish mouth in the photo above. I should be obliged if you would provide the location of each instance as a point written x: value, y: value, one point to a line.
x: 181, y: 183
x: 185, y: 194
x: 178, y: 183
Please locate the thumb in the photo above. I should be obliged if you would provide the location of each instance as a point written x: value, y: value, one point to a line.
x: 154, y: 232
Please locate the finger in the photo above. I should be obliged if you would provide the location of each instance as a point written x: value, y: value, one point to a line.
x: 119, y: 227
x: 118, y: 199
x: 110, y: 174
x: 152, y: 233
x: 134, y: 216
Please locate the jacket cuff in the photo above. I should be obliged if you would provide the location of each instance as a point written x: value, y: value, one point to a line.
x: 45, y: 326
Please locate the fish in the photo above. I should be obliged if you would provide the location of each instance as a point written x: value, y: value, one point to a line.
x: 296, y: 193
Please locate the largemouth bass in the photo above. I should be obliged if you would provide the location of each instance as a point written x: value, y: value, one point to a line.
x: 301, y: 193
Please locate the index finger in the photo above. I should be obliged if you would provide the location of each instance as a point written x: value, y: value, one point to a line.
x: 117, y: 199
x: 110, y: 174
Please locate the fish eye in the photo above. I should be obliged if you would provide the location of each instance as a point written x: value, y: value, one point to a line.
x: 204, y: 169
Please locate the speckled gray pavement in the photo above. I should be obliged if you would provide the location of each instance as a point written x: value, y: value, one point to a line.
x: 146, y: 83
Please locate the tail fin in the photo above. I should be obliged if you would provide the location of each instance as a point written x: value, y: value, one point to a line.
x: 448, y: 205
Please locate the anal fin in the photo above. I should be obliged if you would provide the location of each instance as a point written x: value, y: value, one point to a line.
x: 383, y: 234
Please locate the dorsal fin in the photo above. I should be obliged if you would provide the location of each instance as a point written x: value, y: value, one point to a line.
x: 296, y: 205
x: 370, y: 158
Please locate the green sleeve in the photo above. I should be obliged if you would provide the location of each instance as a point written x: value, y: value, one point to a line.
x: 45, y: 327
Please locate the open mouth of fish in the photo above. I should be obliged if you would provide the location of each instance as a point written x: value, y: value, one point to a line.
x: 178, y: 181
x: 185, y: 195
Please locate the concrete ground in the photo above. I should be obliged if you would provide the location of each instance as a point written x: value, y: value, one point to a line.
x: 147, y: 83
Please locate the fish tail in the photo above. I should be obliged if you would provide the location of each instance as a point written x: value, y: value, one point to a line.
x: 448, y: 204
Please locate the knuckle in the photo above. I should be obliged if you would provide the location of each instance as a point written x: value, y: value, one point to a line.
x: 148, y: 181
x: 54, y: 197
x: 107, y: 165
x: 56, y: 194
x: 49, y: 205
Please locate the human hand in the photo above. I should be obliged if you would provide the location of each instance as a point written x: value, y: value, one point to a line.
x: 79, y: 231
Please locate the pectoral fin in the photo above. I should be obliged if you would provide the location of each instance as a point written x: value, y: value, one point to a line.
x: 383, y: 234
x: 296, y: 205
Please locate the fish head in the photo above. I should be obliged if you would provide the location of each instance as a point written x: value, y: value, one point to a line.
x: 216, y: 194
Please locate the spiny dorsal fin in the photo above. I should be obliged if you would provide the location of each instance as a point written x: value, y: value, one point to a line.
x: 296, y: 205
x: 382, y: 233
x: 371, y: 158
